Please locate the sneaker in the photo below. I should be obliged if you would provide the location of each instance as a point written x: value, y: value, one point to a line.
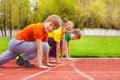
x: 21, y: 62
x: 27, y: 64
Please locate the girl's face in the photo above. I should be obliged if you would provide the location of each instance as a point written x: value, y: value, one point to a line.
x: 49, y: 27
x: 67, y: 29
x: 73, y: 37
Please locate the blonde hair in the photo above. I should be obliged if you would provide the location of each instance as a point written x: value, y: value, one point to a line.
x: 77, y: 33
x: 55, y: 19
x: 66, y: 23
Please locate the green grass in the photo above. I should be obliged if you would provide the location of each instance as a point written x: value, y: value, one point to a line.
x: 87, y: 46
x: 96, y: 46
x: 4, y: 44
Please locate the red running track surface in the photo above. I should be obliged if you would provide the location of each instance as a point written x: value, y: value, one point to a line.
x: 77, y: 69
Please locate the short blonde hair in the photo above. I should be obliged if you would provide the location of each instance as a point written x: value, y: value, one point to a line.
x: 55, y: 19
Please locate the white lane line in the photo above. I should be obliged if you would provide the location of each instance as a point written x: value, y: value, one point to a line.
x: 81, y: 73
x: 98, y: 58
x: 103, y: 72
x: 39, y: 73
x: 108, y: 72
x: 92, y: 58
x: 1, y: 73
x: 36, y: 74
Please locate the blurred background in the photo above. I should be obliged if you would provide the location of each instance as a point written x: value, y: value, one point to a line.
x: 100, y: 16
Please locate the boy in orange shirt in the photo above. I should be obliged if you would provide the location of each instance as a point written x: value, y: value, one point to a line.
x: 32, y: 41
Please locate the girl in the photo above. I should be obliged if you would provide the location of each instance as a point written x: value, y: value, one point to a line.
x: 56, y: 40
x: 32, y: 41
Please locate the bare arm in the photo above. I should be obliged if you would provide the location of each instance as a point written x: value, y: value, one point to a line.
x: 62, y: 49
x: 57, y: 52
x: 69, y: 56
x: 67, y: 50
x: 39, y: 52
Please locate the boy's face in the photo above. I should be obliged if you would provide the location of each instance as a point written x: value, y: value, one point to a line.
x: 73, y: 37
x: 49, y: 27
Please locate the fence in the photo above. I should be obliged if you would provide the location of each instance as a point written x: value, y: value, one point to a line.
x: 86, y: 32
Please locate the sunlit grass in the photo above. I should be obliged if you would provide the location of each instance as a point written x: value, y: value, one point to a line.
x: 4, y: 43
x: 96, y: 46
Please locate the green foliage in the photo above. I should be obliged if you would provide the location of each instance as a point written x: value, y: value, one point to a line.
x: 65, y: 8
x: 84, y: 13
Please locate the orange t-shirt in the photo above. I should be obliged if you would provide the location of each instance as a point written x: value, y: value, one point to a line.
x: 33, y: 32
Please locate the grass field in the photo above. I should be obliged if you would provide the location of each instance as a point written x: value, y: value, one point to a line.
x: 96, y: 46
x: 87, y: 46
x: 4, y: 44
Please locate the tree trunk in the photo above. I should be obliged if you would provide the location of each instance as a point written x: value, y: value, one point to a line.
x: 10, y: 25
x: 4, y: 19
x: 19, y: 17
x: 2, y: 32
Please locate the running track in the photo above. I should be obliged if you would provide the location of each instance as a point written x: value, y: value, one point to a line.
x: 77, y: 69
